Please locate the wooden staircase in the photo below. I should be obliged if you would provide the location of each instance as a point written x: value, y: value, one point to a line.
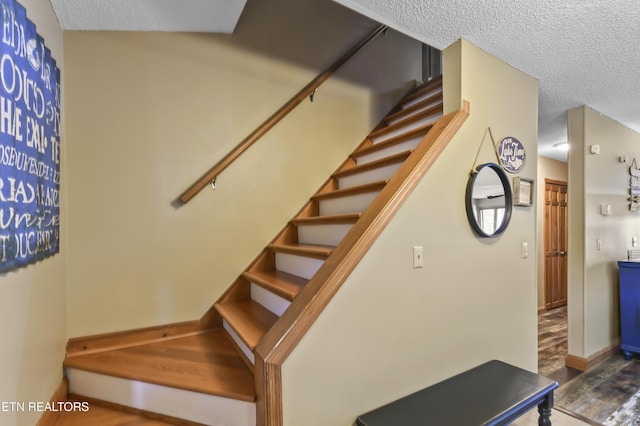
x: 213, y: 362
x: 267, y: 288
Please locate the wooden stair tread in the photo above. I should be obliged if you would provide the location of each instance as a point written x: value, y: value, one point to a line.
x: 360, y: 189
x: 318, y: 252
x: 249, y: 319
x: 205, y: 363
x: 281, y: 283
x: 403, y: 123
x: 423, y: 88
x: 105, y: 413
x: 368, y: 149
x: 416, y: 107
x: 327, y: 220
x: 392, y: 159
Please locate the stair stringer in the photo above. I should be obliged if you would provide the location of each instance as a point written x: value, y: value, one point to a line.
x: 282, y: 338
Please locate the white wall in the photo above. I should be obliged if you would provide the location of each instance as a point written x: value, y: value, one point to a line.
x: 33, y: 322
x: 153, y: 111
x: 391, y: 330
x: 598, y: 179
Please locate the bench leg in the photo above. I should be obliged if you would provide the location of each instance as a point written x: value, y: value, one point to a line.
x: 544, y: 409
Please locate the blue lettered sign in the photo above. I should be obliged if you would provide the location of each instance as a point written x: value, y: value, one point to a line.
x: 512, y: 154
x: 29, y: 142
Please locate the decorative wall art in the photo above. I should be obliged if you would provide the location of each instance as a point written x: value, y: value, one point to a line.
x: 522, y: 191
x: 634, y: 187
x: 29, y: 142
x: 512, y: 154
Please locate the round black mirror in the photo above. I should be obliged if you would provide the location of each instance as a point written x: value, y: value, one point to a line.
x: 488, y: 200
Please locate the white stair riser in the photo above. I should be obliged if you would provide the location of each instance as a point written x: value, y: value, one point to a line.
x: 415, y: 112
x: 183, y: 404
x: 305, y: 267
x: 409, y: 127
x: 423, y: 97
x: 393, y: 149
x: 349, y: 204
x: 369, y: 176
x: 243, y: 346
x: 269, y: 300
x: 323, y: 235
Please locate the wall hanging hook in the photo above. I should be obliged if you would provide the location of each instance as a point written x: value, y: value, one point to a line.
x: 312, y: 94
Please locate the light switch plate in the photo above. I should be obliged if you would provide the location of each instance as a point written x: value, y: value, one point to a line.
x: 418, y: 254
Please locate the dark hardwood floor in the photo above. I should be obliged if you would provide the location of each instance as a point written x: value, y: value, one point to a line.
x: 552, y: 345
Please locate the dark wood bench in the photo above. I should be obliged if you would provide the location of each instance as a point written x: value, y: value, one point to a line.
x: 494, y: 393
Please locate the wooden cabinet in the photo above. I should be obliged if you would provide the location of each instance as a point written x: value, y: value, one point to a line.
x: 629, y: 308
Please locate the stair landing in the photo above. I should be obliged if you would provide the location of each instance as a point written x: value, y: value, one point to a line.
x: 205, y: 363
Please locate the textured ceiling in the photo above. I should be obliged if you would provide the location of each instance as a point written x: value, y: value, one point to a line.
x: 218, y: 16
x: 583, y: 52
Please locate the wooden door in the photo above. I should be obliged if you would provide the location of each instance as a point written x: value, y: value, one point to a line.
x: 555, y: 244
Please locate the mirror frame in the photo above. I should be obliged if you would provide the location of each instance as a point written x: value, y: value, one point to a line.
x: 508, y: 199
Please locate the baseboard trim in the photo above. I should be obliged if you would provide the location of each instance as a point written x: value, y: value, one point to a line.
x: 50, y: 418
x: 541, y: 310
x: 584, y: 364
x: 125, y: 339
x: 576, y: 362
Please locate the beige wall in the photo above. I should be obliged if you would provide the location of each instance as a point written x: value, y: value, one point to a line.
x: 33, y: 323
x: 153, y: 111
x: 595, y: 180
x: 391, y: 329
x: 547, y: 169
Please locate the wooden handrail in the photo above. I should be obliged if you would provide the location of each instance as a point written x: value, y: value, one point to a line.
x: 307, y: 91
x: 283, y: 337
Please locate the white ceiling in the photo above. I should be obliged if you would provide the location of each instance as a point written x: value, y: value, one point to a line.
x: 584, y: 52
x: 214, y: 16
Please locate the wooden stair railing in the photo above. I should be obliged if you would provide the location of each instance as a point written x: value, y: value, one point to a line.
x: 289, y: 106
x: 282, y: 338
